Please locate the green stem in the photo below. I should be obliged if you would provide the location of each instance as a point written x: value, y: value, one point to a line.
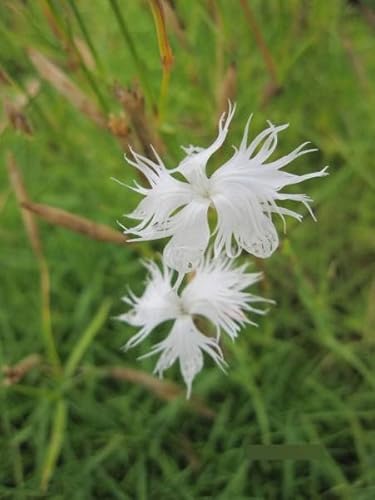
x: 164, y: 93
x: 132, y: 48
x: 47, y: 332
x: 55, y: 443
x: 85, y: 33
x: 85, y: 70
x: 86, y: 339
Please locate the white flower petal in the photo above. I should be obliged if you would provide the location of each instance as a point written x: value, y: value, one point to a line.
x: 187, y: 344
x: 190, y: 237
x: 165, y: 196
x: 217, y: 293
x: 245, y: 191
x: 242, y: 224
x: 193, y: 166
x: 158, y: 303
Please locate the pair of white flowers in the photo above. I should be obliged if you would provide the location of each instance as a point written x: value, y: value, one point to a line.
x: 244, y: 193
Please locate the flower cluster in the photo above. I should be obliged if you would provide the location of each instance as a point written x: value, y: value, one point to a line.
x: 244, y: 193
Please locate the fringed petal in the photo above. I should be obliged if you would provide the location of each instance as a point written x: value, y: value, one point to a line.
x: 190, y: 237
x: 187, y: 344
x: 217, y: 293
x: 158, y: 303
x: 193, y: 166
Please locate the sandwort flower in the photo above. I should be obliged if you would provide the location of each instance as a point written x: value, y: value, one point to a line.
x: 215, y: 292
x: 245, y: 192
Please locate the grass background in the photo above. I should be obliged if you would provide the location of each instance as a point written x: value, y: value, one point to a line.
x: 306, y: 375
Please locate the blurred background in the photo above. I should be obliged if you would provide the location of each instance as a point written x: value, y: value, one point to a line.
x: 80, y: 81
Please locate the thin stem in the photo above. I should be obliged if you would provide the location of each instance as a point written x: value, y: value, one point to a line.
x: 49, y: 338
x: 260, y: 41
x: 163, y: 93
x: 85, y: 33
x: 166, y: 54
x: 55, y: 443
x: 32, y: 102
x: 132, y: 48
x: 66, y: 36
x: 36, y: 244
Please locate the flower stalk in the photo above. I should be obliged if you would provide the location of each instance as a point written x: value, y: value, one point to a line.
x: 166, y: 54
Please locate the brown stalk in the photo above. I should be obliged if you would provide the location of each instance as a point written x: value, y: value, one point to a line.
x: 227, y: 89
x: 66, y: 87
x: 164, y: 390
x: 75, y: 47
x: 54, y: 24
x: 260, y: 41
x: 167, y: 391
x: 274, y: 87
x: 18, y: 185
x: 14, y: 374
x: 213, y: 11
x: 17, y: 118
x: 32, y: 231
x: 119, y: 128
x: 166, y: 53
x: 14, y: 107
x: 84, y: 52
x: 4, y: 78
x: 165, y: 49
x: 175, y: 22
x: 78, y: 224
x: 32, y: 89
x: 133, y: 104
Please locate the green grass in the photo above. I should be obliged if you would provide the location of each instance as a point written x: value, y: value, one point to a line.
x: 305, y: 375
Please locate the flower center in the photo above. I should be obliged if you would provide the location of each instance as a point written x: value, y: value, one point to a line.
x: 182, y: 310
x: 203, y: 190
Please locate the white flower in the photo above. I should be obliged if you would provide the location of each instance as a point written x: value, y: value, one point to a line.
x: 216, y: 292
x: 244, y: 192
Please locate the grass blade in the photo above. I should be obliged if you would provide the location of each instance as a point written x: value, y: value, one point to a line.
x: 133, y: 51
x: 56, y: 441
x: 86, y: 339
x: 76, y: 223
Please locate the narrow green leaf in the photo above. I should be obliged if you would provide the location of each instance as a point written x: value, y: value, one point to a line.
x: 86, y: 338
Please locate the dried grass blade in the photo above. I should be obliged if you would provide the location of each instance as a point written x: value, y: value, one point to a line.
x: 166, y: 54
x: 227, y: 89
x: 35, y: 241
x: 167, y: 391
x: 15, y: 373
x: 22, y: 197
x: 76, y: 223
x: 134, y: 106
x: 66, y: 87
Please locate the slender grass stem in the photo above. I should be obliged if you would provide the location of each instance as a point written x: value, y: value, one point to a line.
x: 33, y: 103
x: 260, y: 41
x: 86, y: 339
x: 166, y: 54
x: 49, y: 339
x: 35, y: 242
x: 86, y: 34
x: 133, y: 51
x: 67, y: 39
x: 55, y: 443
